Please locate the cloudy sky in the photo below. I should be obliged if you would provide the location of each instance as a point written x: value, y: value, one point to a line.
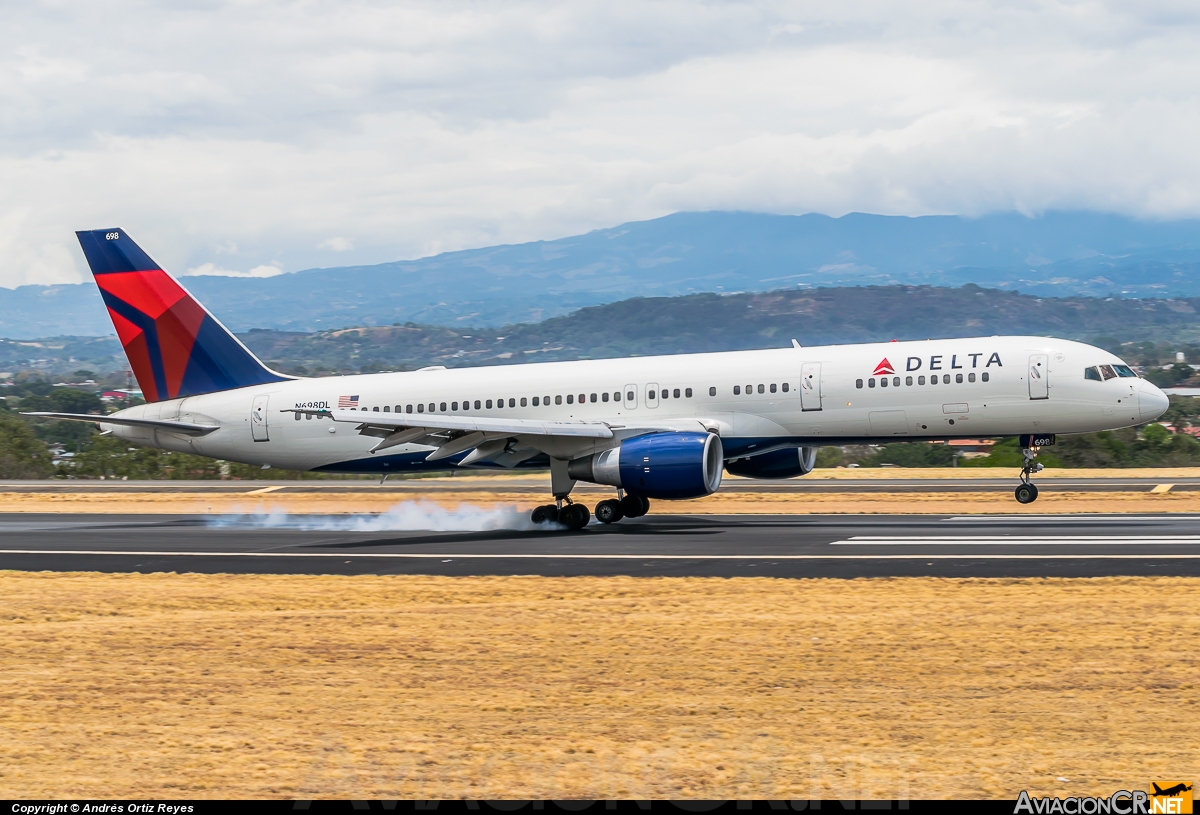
x: 254, y: 137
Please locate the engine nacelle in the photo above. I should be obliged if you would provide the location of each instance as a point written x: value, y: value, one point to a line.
x: 786, y: 463
x: 657, y: 465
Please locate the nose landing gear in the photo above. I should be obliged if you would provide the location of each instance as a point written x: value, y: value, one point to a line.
x: 1027, y: 491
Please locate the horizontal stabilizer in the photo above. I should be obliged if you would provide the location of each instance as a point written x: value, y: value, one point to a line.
x: 186, y: 428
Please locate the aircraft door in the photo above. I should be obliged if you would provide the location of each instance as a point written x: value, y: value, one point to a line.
x: 630, y: 397
x: 652, y: 395
x: 1039, y: 376
x: 258, y: 418
x: 810, y: 386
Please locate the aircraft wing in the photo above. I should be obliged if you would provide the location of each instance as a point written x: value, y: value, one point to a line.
x: 470, y: 424
x: 186, y: 428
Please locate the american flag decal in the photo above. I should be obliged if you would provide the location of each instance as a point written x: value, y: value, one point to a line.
x: 347, y: 401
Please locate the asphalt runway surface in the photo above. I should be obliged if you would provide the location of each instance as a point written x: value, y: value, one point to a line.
x: 716, y: 546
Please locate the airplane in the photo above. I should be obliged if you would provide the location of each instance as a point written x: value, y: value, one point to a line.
x: 1170, y: 792
x: 660, y: 427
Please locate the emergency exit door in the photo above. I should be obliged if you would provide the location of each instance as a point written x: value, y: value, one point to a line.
x: 810, y: 386
x: 258, y: 419
x: 1039, y: 376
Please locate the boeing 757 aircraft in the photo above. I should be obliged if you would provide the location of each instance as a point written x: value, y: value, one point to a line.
x: 652, y: 427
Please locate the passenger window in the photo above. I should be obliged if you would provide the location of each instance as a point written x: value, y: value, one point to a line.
x: 387, y: 408
x: 712, y: 391
x: 442, y: 407
x: 582, y: 398
x: 908, y: 380
x: 1124, y: 370
x: 536, y: 401
x: 512, y: 402
x: 558, y: 400
x: 772, y: 387
x: 858, y: 384
x: 604, y: 396
x: 477, y: 404
x: 958, y: 378
x: 785, y: 387
x: 737, y: 390
x: 570, y: 398
x: 920, y: 380
x: 617, y: 396
x: 675, y: 394
x: 308, y: 416
x: 650, y: 394
x: 431, y: 407
x: 749, y: 389
x: 984, y: 376
x: 933, y: 380
x: 871, y: 382
x: 398, y: 410
x: 760, y: 389
x: 896, y: 381
x: 1107, y: 372
x: 970, y: 377
x: 883, y: 381
x: 454, y: 405
x: 408, y: 409
x: 524, y: 402
x: 376, y: 408
x: 420, y: 408
x: 629, y: 397
x: 489, y: 404
x: 546, y: 401
x: 687, y: 393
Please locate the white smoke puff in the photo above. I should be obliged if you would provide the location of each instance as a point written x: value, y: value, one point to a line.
x: 407, y: 516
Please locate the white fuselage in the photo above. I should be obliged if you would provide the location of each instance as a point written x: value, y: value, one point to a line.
x: 754, y: 400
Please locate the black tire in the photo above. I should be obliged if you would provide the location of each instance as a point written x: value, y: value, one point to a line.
x: 1026, y: 493
x: 634, y: 506
x: 575, y: 516
x: 547, y: 514
x: 609, y: 512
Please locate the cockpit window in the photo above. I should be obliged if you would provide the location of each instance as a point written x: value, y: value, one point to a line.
x: 1107, y: 372
x: 1124, y: 370
x: 1092, y: 373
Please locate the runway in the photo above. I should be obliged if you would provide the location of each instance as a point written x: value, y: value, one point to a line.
x: 716, y: 546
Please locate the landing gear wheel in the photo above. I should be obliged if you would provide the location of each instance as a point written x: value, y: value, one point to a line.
x: 634, y: 506
x: 574, y: 517
x: 547, y: 514
x: 608, y: 512
x: 1026, y: 493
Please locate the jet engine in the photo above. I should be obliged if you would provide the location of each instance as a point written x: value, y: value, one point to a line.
x: 657, y: 465
x: 786, y: 463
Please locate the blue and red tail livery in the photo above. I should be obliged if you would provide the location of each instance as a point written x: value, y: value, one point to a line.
x: 176, y: 348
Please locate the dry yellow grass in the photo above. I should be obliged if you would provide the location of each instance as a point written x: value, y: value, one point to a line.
x: 224, y: 686
x: 732, y: 503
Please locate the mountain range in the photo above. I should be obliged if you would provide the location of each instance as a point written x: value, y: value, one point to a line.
x: 1059, y: 254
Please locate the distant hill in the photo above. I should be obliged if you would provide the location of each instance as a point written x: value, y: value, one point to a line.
x: 1058, y: 254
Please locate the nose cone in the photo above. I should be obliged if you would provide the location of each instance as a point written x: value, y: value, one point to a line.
x: 1152, y: 402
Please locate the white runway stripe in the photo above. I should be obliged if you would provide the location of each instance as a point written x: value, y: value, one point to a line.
x: 1021, y: 540
x: 595, y: 556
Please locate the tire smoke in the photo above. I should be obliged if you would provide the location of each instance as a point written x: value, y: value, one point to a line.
x: 407, y: 516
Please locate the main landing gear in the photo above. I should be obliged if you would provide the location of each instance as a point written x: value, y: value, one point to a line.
x: 1027, y: 491
x: 576, y: 516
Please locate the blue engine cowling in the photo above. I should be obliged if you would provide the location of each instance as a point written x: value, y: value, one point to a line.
x: 786, y: 463
x: 657, y: 465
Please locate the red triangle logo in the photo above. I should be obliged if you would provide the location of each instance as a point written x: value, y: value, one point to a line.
x: 884, y: 367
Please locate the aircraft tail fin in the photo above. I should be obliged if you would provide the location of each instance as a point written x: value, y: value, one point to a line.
x: 174, y: 345
x: 1157, y: 789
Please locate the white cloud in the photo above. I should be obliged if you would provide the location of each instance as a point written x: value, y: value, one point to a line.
x: 336, y: 244
x: 252, y: 130
x: 216, y: 271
